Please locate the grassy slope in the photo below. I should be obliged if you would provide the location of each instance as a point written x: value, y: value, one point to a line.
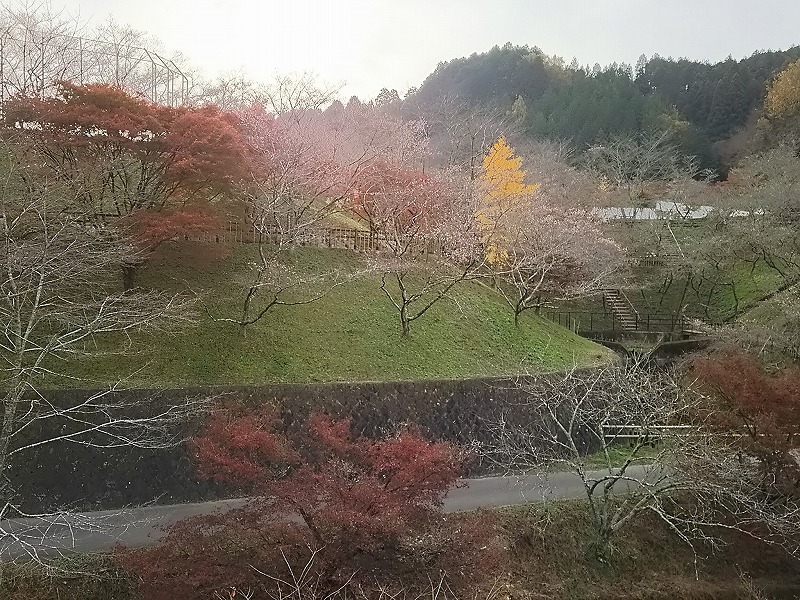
x: 750, y: 287
x: 351, y: 334
x: 648, y: 294
x: 719, y: 305
x: 645, y: 286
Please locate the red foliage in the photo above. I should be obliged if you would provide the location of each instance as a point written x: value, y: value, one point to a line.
x: 205, y: 148
x: 365, y: 507
x: 88, y: 115
x: 150, y: 227
x: 126, y: 153
x: 243, y: 449
x: 764, y: 407
x: 359, y: 493
x: 413, y: 468
x: 204, y: 554
x: 764, y: 403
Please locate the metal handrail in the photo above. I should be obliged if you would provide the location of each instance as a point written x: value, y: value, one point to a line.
x: 569, y: 319
x: 631, y: 306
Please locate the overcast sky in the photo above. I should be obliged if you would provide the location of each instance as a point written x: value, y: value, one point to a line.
x: 367, y: 45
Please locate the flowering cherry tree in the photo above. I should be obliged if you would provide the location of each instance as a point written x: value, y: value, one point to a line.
x: 553, y: 253
x: 305, y: 167
x: 429, y: 239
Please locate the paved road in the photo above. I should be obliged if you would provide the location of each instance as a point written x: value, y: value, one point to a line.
x: 97, y: 531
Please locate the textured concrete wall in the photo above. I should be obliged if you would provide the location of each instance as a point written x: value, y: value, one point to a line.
x: 84, y: 478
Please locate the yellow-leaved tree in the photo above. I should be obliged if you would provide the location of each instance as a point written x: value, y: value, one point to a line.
x: 504, y: 189
x: 782, y: 103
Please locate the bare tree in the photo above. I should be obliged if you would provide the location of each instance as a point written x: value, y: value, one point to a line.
x: 551, y: 166
x: 120, y: 61
x: 749, y: 238
x: 773, y: 333
x: 758, y: 208
x: 634, y: 165
x: 460, y: 134
x: 304, y: 584
x: 40, y: 46
x: 59, y: 300
x: 134, y: 60
x: 631, y: 435
x: 294, y: 94
x: 540, y: 243
x: 232, y: 91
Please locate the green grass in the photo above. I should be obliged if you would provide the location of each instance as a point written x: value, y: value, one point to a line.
x: 351, y: 334
x: 618, y: 454
x: 775, y: 311
x: 740, y: 288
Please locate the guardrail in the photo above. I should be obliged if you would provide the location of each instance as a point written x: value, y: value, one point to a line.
x: 588, y: 322
x: 655, y: 260
x: 661, y: 322
x: 636, y: 432
x: 630, y: 222
x: 631, y: 307
x: 577, y: 320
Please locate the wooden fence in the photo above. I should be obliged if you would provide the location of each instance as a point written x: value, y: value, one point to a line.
x: 333, y: 237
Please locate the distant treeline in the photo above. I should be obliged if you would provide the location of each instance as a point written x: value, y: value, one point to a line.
x: 701, y: 103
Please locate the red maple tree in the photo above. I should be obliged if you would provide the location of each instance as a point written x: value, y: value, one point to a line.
x: 362, y: 508
x: 762, y: 408
x: 123, y: 154
x: 150, y: 170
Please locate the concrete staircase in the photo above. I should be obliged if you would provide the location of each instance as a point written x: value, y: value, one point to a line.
x: 622, y: 309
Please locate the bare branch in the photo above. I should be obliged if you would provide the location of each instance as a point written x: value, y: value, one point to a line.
x: 632, y: 436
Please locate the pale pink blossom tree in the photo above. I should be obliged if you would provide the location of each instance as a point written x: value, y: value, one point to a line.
x: 553, y: 252
x: 306, y: 165
x: 431, y: 241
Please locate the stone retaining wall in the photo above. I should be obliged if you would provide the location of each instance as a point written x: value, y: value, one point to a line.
x: 84, y: 478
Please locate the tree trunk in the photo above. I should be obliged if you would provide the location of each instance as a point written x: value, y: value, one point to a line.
x: 600, y: 544
x: 128, y: 276
x: 405, y: 327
